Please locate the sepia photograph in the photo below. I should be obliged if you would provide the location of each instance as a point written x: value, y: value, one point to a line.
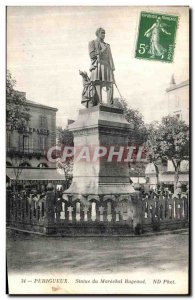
x: 98, y: 150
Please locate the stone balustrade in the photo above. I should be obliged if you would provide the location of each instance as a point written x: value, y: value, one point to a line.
x: 50, y: 213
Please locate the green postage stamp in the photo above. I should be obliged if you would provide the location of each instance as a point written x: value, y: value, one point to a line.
x: 156, y: 36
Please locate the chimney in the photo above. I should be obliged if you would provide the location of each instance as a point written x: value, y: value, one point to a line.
x: 172, y: 82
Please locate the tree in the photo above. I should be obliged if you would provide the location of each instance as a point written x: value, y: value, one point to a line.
x: 65, y: 138
x: 16, y: 107
x: 139, y: 133
x: 153, y: 153
x: 137, y: 169
x: 169, y: 140
x: 137, y: 136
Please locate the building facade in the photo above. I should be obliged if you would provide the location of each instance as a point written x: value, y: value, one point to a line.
x: 27, y: 148
x: 178, y: 99
x: 34, y: 140
x: 178, y: 105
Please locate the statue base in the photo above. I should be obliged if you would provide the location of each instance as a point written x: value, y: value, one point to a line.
x: 102, y: 181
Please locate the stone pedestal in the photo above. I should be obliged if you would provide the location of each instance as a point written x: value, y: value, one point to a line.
x: 100, y: 180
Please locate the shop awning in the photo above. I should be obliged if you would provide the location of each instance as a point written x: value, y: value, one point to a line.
x: 35, y: 174
x: 168, y: 178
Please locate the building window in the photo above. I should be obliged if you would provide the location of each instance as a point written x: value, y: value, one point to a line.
x: 176, y: 102
x: 31, y: 144
x: 42, y: 142
x: 26, y: 143
x: 42, y: 209
x: 43, y: 122
x: 177, y: 114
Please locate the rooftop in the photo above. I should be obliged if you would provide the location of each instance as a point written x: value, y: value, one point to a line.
x: 175, y: 86
x: 35, y: 104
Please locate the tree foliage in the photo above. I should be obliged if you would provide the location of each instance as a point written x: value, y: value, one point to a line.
x: 65, y: 139
x: 137, y: 136
x: 17, y: 111
x: 173, y: 139
x: 139, y: 133
x: 168, y: 140
x: 152, y: 148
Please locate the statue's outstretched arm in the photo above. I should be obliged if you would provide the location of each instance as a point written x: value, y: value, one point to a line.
x: 166, y: 32
x: 150, y: 29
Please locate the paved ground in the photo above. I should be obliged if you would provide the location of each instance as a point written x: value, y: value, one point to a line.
x: 33, y: 253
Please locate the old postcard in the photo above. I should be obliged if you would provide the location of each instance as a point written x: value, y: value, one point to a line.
x: 97, y: 150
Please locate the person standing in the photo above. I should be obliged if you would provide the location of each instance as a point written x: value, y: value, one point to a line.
x: 102, y: 66
x: 156, y: 49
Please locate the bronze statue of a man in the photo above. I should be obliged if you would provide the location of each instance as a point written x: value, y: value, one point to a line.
x: 102, y: 66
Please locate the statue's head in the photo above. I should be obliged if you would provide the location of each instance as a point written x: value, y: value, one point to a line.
x: 158, y: 20
x: 100, y: 33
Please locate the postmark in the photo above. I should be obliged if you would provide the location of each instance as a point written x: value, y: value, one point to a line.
x: 156, y: 36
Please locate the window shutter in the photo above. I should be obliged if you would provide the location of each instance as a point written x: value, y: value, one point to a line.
x: 46, y: 123
x: 39, y: 143
x: 31, y: 144
x: 20, y: 142
x: 40, y: 121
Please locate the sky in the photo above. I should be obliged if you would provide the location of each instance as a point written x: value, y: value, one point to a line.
x: 47, y: 46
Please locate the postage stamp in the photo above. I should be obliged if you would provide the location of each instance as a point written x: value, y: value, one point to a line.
x: 156, y: 36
